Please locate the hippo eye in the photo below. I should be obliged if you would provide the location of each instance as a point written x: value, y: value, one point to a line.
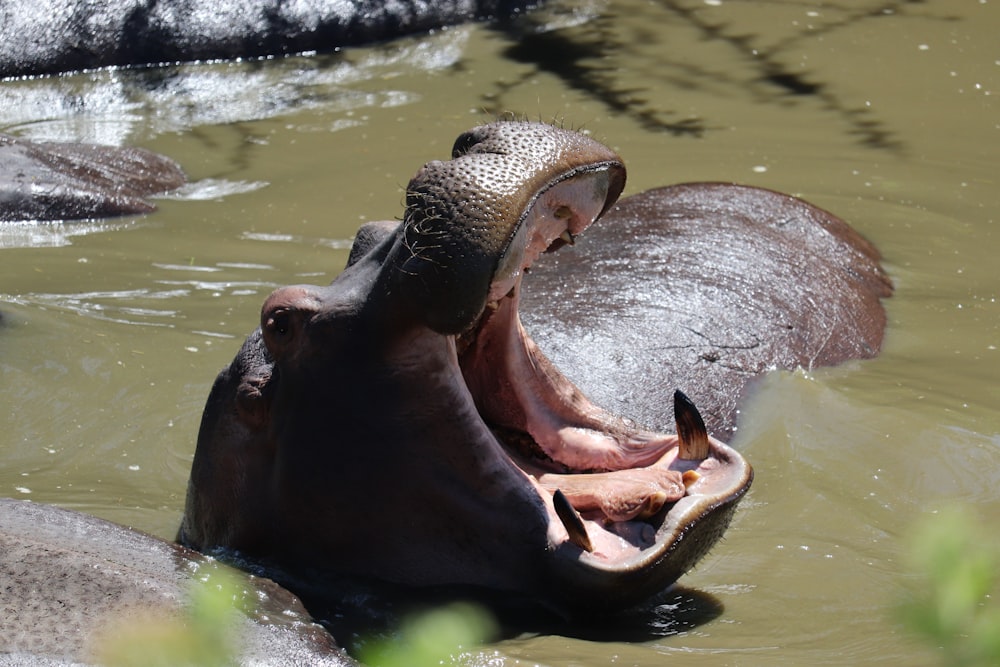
x: 279, y: 322
x: 281, y: 325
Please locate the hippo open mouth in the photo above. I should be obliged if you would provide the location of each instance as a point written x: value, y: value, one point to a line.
x: 399, y: 423
x: 620, y: 494
x: 620, y: 499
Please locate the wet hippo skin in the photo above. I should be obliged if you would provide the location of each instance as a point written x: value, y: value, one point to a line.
x: 74, y: 181
x: 47, y: 36
x: 705, y: 286
x: 399, y: 423
x: 65, y: 577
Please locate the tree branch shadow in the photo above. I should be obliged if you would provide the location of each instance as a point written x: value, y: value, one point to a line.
x: 588, y: 55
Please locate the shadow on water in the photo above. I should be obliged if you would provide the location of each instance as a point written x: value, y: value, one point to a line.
x: 582, y: 56
x: 589, y: 56
x: 672, y: 612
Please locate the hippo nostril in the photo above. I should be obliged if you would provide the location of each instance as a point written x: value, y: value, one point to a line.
x: 464, y: 143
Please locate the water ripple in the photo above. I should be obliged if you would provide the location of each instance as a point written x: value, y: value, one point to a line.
x: 120, y: 106
x: 335, y: 244
x: 212, y: 189
x: 31, y: 234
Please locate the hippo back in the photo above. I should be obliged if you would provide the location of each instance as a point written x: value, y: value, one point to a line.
x: 67, y: 575
x: 703, y: 287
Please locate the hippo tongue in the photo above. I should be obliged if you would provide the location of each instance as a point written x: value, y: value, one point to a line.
x: 557, y: 432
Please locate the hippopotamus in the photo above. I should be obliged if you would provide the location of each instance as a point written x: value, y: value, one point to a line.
x: 69, y: 578
x: 75, y: 181
x: 400, y: 424
x: 45, y: 37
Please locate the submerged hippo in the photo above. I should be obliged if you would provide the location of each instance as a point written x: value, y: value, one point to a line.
x: 69, y: 582
x: 401, y: 424
x: 46, y: 37
x: 75, y: 181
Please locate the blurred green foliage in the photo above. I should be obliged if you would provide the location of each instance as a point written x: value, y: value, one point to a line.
x: 432, y: 638
x: 200, y: 636
x: 952, y: 603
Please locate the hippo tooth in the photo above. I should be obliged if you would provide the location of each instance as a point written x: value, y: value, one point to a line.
x: 567, y: 238
x: 690, y: 429
x: 571, y: 521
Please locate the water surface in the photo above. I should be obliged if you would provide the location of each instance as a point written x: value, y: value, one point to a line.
x: 884, y: 113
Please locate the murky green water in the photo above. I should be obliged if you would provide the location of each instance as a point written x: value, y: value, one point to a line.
x: 885, y: 113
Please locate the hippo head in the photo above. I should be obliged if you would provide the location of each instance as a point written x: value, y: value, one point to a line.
x: 400, y: 424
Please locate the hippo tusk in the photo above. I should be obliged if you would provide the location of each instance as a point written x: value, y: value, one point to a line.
x: 567, y: 238
x: 572, y: 521
x: 690, y: 429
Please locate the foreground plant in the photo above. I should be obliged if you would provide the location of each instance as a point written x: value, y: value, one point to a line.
x: 953, y: 603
